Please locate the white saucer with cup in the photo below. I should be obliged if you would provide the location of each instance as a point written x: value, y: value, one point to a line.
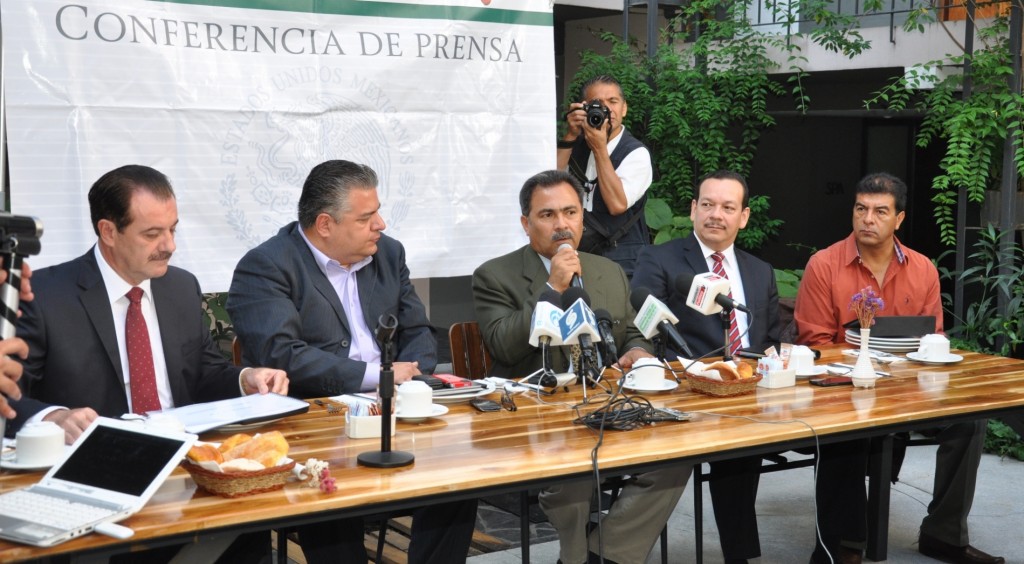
x: 933, y: 346
x: 415, y: 399
x: 648, y: 374
x: 39, y: 445
x: 801, y: 360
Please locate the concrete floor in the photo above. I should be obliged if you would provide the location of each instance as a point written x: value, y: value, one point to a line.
x: 786, y: 523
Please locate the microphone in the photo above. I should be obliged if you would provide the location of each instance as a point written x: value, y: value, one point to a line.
x: 544, y: 330
x: 386, y: 327
x: 575, y: 282
x: 654, y: 317
x: 604, y: 327
x: 707, y: 293
x: 578, y: 325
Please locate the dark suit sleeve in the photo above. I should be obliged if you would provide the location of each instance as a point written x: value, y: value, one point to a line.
x: 273, y: 320
x: 773, y: 334
x: 206, y: 374
x: 650, y: 273
x: 504, y: 323
x: 416, y: 339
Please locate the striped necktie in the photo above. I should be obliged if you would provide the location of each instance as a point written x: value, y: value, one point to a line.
x: 734, y: 328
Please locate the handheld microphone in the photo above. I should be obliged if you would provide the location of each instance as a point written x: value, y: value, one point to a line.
x: 604, y: 327
x: 707, y: 293
x: 575, y: 282
x: 654, y: 317
x: 578, y: 325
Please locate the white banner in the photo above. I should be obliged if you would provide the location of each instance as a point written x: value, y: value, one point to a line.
x: 450, y: 101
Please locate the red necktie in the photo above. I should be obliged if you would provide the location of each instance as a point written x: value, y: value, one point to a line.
x: 141, y: 376
x: 734, y: 328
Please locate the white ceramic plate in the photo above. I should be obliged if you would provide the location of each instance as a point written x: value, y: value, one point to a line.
x: 852, y: 336
x: 948, y: 359
x: 8, y: 462
x: 460, y: 398
x: 665, y: 386
x: 239, y: 427
x: 814, y: 371
x: 435, y: 411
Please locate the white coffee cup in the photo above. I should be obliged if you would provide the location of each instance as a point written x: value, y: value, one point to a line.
x: 39, y: 444
x: 647, y: 374
x: 933, y: 346
x: 801, y: 359
x: 415, y: 398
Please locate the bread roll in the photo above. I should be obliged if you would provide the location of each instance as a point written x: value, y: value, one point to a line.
x: 205, y: 452
x: 745, y: 370
x: 726, y: 370
x: 266, y: 448
x: 233, y: 441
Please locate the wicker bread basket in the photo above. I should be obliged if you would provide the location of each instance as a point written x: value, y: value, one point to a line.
x: 238, y: 484
x: 720, y: 388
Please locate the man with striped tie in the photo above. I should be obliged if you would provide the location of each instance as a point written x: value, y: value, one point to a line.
x: 719, y: 210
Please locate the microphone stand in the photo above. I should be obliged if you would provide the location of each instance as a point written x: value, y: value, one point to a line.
x: 13, y: 250
x: 724, y: 315
x: 386, y: 458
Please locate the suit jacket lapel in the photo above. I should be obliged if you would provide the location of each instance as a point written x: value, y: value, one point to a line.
x: 693, y: 255
x: 171, y: 336
x: 367, y: 280
x: 97, y: 307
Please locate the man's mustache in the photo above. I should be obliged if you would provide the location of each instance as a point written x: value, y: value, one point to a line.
x: 561, y: 235
x: 160, y: 256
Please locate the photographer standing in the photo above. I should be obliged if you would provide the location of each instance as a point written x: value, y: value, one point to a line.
x: 614, y: 168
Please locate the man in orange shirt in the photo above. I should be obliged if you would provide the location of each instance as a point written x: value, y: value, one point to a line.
x: 908, y: 282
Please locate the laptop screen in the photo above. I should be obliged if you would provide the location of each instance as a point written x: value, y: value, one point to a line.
x: 118, y: 460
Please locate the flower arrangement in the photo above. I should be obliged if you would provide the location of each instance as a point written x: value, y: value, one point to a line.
x: 866, y: 303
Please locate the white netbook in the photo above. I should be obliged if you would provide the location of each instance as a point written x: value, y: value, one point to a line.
x: 108, y: 474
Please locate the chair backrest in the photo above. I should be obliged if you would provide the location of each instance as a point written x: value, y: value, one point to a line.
x: 236, y: 351
x: 470, y: 358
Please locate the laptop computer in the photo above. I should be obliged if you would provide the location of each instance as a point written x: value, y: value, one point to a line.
x: 108, y: 474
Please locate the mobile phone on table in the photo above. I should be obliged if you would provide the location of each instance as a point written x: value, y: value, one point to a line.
x: 485, y: 405
x: 453, y: 381
x: 668, y: 414
x: 831, y: 381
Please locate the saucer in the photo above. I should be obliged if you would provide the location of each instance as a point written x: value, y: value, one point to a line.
x: 880, y: 356
x: 947, y: 359
x: 665, y: 386
x: 8, y: 463
x: 814, y: 371
x: 436, y: 410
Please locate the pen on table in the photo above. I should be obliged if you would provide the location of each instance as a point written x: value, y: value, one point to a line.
x: 850, y: 368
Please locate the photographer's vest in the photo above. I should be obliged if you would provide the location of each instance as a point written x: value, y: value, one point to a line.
x: 629, y: 227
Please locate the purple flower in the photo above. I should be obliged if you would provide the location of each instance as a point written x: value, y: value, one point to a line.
x: 866, y: 303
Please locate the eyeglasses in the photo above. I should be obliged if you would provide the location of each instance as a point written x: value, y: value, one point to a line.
x: 506, y: 399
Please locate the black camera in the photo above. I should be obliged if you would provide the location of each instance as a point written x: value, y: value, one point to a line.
x: 19, y: 234
x: 597, y: 113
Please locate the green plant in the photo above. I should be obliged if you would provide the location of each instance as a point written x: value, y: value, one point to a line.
x: 973, y: 129
x: 788, y: 281
x: 700, y: 104
x: 1002, y: 440
x: 664, y: 223
x: 983, y: 328
x: 219, y: 321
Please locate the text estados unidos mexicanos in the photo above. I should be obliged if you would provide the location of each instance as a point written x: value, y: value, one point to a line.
x: 75, y: 23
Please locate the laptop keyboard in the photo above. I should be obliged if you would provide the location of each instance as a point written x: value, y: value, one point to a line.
x: 49, y: 510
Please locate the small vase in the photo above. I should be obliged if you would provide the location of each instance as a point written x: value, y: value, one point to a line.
x: 863, y: 373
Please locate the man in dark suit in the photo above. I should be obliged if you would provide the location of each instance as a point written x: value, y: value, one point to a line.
x: 718, y: 211
x: 505, y: 292
x: 78, y: 362
x: 309, y: 299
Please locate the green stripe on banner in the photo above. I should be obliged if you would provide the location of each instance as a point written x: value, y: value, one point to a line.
x: 382, y: 9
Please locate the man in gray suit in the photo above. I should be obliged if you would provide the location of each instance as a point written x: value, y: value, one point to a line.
x: 505, y: 292
x: 309, y: 299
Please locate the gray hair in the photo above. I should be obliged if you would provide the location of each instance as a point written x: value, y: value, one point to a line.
x: 327, y: 187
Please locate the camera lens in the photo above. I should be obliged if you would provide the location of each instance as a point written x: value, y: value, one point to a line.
x: 597, y: 113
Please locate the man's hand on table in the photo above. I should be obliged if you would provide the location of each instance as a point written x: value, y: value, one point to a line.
x: 10, y: 372
x: 264, y: 380
x: 73, y: 421
x: 404, y: 371
x: 631, y: 356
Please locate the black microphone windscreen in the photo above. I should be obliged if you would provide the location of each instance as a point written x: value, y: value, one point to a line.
x: 602, y: 315
x: 638, y: 296
x: 570, y: 295
x: 550, y: 296
x: 683, y: 283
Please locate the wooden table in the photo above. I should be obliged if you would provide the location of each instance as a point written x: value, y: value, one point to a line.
x: 468, y: 454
